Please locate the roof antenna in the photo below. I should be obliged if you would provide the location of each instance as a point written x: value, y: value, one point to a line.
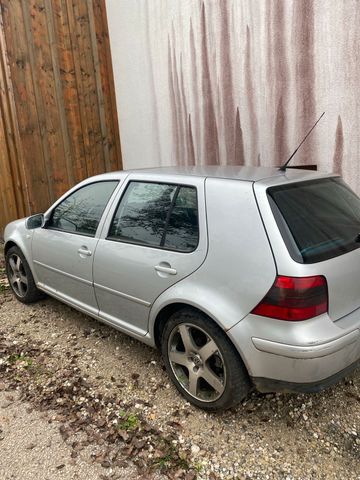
x: 283, y: 167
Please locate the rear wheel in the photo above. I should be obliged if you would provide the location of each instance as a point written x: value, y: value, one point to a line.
x: 20, y: 277
x: 202, y: 362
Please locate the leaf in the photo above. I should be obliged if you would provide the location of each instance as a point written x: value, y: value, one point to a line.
x: 190, y: 475
x: 123, y: 434
x: 176, y: 425
x: 138, y: 443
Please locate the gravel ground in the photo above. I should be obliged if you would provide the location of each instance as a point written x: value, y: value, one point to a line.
x: 98, y: 404
x: 32, y: 447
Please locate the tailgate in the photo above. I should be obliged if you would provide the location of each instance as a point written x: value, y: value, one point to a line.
x: 319, y: 224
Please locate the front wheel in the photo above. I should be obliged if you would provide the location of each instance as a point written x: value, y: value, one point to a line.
x: 20, y: 277
x: 202, y: 362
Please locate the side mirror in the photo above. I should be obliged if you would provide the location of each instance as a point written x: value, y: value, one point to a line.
x: 35, y: 221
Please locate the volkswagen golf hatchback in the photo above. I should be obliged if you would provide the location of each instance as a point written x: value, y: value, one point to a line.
x: 242, y: 276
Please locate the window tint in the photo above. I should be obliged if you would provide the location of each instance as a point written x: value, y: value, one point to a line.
x: 158, y: 215
x: 323, y: 217
x: 81, y: 211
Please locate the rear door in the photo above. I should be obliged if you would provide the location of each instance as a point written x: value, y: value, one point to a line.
x: 319, y: 221
x: 155, y: 237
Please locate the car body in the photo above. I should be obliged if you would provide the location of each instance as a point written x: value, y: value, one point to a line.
x: 215, y: 243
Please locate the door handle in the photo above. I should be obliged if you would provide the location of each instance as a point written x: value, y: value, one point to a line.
x: 163, y: 269
x: 84, y: 251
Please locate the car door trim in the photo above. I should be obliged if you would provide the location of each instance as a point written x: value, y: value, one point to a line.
x: 123, y: 295
x: 69, y: 275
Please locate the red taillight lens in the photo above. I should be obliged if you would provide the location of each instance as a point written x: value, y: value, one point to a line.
x: 294, y: 298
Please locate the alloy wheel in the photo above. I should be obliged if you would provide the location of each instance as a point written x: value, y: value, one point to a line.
x: 17, y: 275
x: 196, y: 362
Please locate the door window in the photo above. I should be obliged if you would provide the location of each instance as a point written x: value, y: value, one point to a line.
x: 182, y: 231
x: 81, y: 211
x: 158, y: 215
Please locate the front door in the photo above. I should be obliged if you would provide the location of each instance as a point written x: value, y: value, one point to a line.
x: 63, y: 251
x: 157, y: 237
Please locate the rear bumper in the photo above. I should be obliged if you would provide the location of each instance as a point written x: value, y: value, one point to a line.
x: 271, y: 385
x: 297, y: 356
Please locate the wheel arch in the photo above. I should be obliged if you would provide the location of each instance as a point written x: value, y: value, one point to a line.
x: 9, y: 244
x: 163, y: 316
x: 24, y: 248
x: 165, y: 313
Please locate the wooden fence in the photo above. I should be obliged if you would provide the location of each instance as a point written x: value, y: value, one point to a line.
x: 58, y: 119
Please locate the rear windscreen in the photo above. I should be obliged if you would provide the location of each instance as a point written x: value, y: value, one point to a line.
x: 318, y: 219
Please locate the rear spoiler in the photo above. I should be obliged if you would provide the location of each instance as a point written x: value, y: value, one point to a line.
x: 304, y: 167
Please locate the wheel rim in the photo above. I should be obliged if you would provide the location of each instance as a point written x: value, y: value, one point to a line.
x: 17, y: 275
x: 196, y: 362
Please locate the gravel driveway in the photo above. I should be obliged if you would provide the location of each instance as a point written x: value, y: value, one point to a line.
x: 79, y: 400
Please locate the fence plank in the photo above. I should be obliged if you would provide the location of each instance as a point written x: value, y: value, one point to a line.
x: 99, y: 90
x: 53, y: 41
x: 12, y: 175
x: 79, y: 84
x: 107, y: 83
x: 37, y: 67
x: 70, y: 89
x: 6, y: 191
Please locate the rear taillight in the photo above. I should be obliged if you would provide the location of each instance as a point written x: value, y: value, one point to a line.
x: 294, y: 298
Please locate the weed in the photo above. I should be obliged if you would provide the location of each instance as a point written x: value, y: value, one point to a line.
x: 171, y: 458
x: 164, y: 462
x: 3, y: 287
x: 198, y: 467
x: 26, y: 361
x: 129, y: 421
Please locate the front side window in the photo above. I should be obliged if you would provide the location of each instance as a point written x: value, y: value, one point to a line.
x: 81, y: 211
x: 158, y: 215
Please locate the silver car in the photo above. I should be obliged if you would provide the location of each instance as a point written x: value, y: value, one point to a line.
x: 242, y: 276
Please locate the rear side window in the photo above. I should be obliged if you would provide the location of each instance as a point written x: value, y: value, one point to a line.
x: 182, y: 228
x: 157, y: 215
x: 318, y: 219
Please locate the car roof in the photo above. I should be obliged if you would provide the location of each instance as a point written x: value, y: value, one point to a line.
x: 244, y: 173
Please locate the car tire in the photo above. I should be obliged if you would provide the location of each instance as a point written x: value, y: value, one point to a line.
x: 202, y: 362
x: 20, y: 277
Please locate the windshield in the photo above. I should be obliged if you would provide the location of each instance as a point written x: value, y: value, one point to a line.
x: 318, y: 219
